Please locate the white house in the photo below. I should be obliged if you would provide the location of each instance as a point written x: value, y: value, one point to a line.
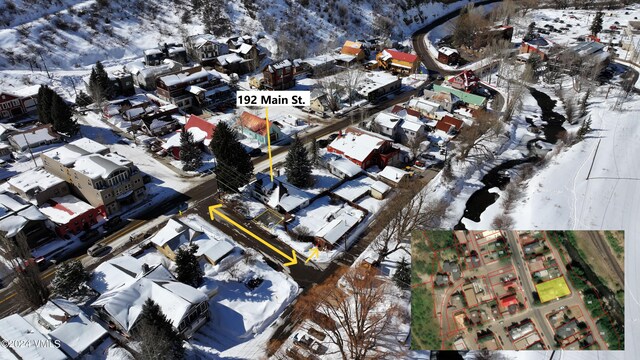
x: 129, y: 287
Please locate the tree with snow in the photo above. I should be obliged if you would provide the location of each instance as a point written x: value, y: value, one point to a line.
x: 156, y: 335
x: 187, y: 266
x: 402, y: 276
x: 44, y: 98
x: 69, y: 279
x: 297, y: 164
x: 190, y: 152
x: 83, y: 99
x: 62, y: 116
x: 233, y: 165
x: 596, y: 25
x: 315, y: 151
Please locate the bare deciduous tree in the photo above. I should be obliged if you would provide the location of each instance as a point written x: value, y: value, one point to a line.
x: 356, y: 315
x: 350, y: 79
x: 410, y: 210
x: 28, y: 284
x: 474, y: 140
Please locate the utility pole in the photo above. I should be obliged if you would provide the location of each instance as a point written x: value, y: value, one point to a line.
x: 30, y: 152
x: 45, y: 65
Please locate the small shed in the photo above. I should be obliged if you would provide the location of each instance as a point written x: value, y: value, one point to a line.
x: 449, y: 56
x: 393, y: 176
x: 379, y: 190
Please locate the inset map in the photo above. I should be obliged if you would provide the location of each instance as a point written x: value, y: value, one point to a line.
x: 517, y: 290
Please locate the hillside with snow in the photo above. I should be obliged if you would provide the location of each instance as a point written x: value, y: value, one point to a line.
x: 72, y: 34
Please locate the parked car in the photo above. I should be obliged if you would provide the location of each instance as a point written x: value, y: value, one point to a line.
x: 255, y: 152
x: 39, y: 261
x: 332, y: 137
x: 323, y: 143
x: 97, y: 250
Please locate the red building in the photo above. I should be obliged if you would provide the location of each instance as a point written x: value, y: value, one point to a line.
x: 71, y: 215
x: 449, y: 123
x: 279, y: 75
x: 465, y: 81
x: 510, y: 303
x: 364, y: 148
x: 202, y: 131
x: 17, y: 103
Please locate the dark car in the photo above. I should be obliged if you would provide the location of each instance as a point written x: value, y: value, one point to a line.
x: 332, y: 136
x: 255, y: 152
x: 323, y: 143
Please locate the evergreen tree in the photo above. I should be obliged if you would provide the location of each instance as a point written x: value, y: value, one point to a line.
x: 157, y: 336
x: 596, y: 25
x: 190, y: 152
x: 315, y: 150
x: 99, y: 84
x: 584, y: 129
x: 297, y: 165
x: 44, y: 98
x: 233, y: 165
x: 69, y: 279
x: 402, y: 276
x: 62, y: 116
x: 83, y: 99
x: 187, y: 266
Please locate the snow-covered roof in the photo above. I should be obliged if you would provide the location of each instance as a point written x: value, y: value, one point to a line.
x: 15, y: 213
x: 55, y: 310
x: 101, y: 166
x: 319, y: 60
x: 35, y: 136
x: 61, y: 210
x: 90, y: 146
x: 114, y: 273
x: 357, y: 146
x: 423, y: 105
x: 345, y: 166
x: 153, y: 71
x: 281, y: 193
x: 392, y: 173
x: 280, y: 65
x: 124, y: 303
x: 26, y: 91
x: 345, y: 219
x: 36, y: 179
x: 14, y: 329
x: 68, y: 154
x: 152, y: 52
x: 354, y: 189
x: 244, y: 48
x: 186, y: 77
x: 411, y: 125
x: 201, y: 39
x: 388, y: 120
x: 447, y: 51
x: 380, y: 187
x: 78, y: 334
x: 170, y: 231
x: 219, y: 250
x: 229, y: 58
x: 373, y: 81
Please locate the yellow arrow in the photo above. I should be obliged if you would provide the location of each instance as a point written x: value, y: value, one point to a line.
x: 314, y: 253
x: 269, y: 143
x: 213, y: 210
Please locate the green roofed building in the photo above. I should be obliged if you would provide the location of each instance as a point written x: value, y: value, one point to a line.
x: 474, y: 101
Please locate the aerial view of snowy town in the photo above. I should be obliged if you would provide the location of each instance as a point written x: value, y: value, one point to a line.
x: 304, y: 179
